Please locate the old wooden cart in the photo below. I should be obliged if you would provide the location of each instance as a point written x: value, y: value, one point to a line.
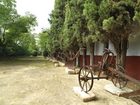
x: 87, y: 74
x: 103, y: 70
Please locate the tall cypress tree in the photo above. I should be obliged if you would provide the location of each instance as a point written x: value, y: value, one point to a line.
x: 56, y: 20
x: 75, y: 24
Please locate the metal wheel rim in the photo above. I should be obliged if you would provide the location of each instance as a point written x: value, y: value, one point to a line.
x: 119, y: 82
x: 85, y: 77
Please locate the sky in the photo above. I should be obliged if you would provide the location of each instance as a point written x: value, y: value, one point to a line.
x: 40, y: 8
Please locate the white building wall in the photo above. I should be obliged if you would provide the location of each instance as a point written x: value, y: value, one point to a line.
x: 88, y: 51
x: 134, y: 46
x: 111, y: 47
x: 98, y: 48
x: 81, y: 52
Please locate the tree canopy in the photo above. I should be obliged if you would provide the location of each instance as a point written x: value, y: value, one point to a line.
x: 15, y: 30
x: 120, y: 21
x: 78, y: 23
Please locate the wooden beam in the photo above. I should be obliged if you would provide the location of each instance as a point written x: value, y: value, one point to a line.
x: 123, y: 75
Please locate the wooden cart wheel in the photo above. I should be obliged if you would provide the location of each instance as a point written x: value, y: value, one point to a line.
x: 85, y: 78
x: 118, y: 80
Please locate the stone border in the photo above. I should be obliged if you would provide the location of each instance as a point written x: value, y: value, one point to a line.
x: 115, y: 90
x: 86, y: 97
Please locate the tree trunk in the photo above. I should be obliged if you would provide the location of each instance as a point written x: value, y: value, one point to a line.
x: 84, y: 56
x: 3, y: 36
x: 118, y: 58
x: 121, y: 53
x: 124, y: 52
x: 92, y: 54
x: 77, y: 61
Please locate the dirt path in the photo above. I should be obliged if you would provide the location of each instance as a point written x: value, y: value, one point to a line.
x: 38, y: 82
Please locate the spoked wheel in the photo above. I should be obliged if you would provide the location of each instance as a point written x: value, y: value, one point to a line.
x: 85, y: 78
x: 118, y: 80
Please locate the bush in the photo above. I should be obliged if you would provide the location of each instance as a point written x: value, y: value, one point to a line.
x: 45, y: 53
x: 34, y: 53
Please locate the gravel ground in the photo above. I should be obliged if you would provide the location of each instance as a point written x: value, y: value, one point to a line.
x: 35, y: 81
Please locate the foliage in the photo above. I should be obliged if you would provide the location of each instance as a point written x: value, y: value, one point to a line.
x: 70, y: 30
x: 57, y: 20
x: 15, y: 30
x: 7, y: 11
x: 120, y: 22
x: 83, y: 22
x: 45, y: 41
x: 67, y: 26
x: 90, y: 12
